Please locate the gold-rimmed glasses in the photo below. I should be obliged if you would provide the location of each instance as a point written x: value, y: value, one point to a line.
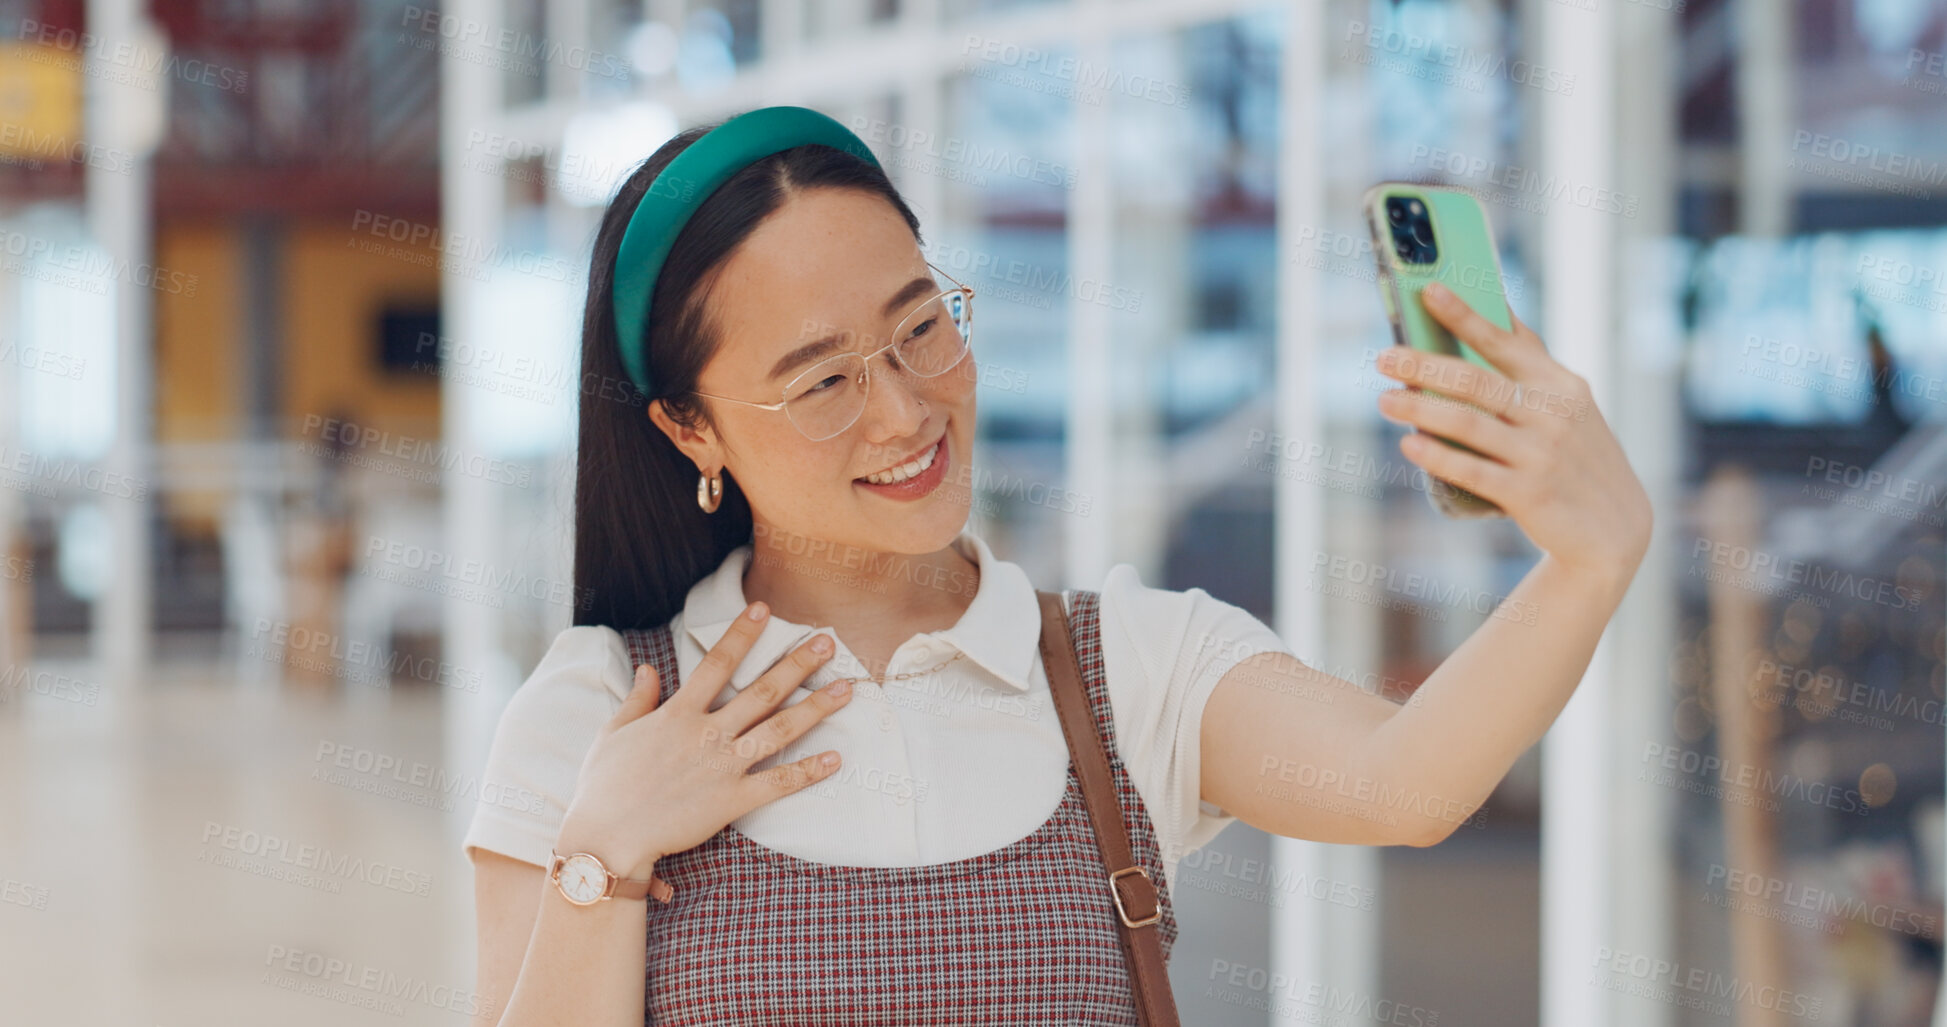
x: 829, y: 396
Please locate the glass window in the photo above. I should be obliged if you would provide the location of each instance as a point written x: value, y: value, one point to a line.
x: 999, y: 168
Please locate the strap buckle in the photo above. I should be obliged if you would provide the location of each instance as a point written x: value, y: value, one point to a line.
x: 1156, y: 908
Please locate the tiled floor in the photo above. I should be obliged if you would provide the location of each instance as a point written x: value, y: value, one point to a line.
x: 171, y: 856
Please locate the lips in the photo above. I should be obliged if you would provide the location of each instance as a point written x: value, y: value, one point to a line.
x: 895, y: 465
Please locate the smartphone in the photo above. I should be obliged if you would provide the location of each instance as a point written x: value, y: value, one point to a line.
x: 1423, y: 234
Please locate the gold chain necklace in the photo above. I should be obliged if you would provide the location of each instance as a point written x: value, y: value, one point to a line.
x: 908, y: 675
x: 916, y: 673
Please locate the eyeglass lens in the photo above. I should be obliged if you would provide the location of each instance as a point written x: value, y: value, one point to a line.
x: 932, y: 339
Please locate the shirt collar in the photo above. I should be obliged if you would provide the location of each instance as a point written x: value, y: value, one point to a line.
x: 1001, y: 630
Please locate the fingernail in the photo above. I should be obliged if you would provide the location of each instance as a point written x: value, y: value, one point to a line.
x: 839, y: 689
x: 1439, y: 292
x: 821, y: 644
x: 829, y: 759
x: 757, y: 610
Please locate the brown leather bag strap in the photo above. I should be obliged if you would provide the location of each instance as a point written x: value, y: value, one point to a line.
x: 1138, y: 906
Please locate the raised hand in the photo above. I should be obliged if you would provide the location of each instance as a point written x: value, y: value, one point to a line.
x: 1549, y: 459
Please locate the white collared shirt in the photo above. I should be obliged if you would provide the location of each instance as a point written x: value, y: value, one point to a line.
x: 940, y: 767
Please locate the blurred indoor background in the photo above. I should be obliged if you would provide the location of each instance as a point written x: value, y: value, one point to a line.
x: 289, y: 323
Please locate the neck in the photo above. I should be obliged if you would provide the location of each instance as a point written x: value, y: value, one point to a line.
x: 820, y: 583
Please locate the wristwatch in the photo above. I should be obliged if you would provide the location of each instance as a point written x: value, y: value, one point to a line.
x: 584, y: 881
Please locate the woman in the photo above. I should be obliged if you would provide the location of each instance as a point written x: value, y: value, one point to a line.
x: 808, y: 375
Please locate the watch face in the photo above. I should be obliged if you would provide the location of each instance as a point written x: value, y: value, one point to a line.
x: 582, y: 879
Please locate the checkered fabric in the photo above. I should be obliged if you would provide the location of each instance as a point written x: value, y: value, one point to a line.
x: 1024, y: 934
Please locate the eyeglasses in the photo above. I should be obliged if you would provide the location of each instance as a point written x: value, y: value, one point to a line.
x: 830, y: 395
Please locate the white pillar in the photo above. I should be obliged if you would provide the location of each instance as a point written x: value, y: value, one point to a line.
x: 122, y: 115
x: 1328, y: 945
x: 1578, y: 827
x: 1765, y: 100
x: 1648, y: 417
x: 470, y: 201
x: 16, y: 582
x: 1091, y: 229
x: 781, y: 29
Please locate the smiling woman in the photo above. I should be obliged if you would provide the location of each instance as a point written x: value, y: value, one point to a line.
x: 822, y: 723
x: 798, y: 360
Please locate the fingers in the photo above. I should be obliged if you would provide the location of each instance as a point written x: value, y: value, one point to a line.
x: 1451, y: 376
x: 778, y: 731
x: 1454, y: 420
x: 713, y: 673
x: 1517, y: 357
x: 1522, y: 331
x: 758, y: 699
x: 642, y: 698
x: 1553, y: 393
x: 786, y: 778
x: 1476, y: 474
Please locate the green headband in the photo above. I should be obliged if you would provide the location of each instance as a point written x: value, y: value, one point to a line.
x: 683, y: 185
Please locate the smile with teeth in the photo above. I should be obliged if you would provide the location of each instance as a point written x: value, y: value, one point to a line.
x: 907, y: 469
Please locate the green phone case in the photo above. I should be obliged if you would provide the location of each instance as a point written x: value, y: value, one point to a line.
x: 1467, y: 263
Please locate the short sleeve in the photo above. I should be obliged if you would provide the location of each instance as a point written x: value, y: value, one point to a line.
x: 1163, y: 653
x: 543, y: 736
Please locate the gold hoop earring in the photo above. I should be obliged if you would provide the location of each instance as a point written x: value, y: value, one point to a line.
x: 709, y: 492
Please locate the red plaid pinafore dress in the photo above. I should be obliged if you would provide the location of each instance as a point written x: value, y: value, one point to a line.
x: 1023, y: 935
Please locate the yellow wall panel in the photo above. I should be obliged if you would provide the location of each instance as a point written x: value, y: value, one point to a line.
x: 40, y: 100
x: 334, y: 291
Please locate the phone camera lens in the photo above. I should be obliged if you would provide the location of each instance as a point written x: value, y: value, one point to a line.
x: 1410, y: 224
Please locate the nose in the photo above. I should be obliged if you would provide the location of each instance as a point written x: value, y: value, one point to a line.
x: 894, y: 408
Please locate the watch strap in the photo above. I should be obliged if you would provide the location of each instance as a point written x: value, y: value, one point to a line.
x: 632, y: 888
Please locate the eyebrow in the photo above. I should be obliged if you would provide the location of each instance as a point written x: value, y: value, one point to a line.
x: 913, y: 290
